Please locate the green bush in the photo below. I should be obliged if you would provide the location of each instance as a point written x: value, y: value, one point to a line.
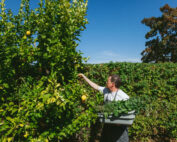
x: 45, y: 113
x: 40, y: 96
x: 156, y: 81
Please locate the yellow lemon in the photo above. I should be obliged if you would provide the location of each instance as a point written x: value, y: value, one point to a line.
x: 24, y: 37
x: 21, y: 125
x: 9, y: 139
x: 28, y: 33
x: 84, y: 97
x: 26, y: 135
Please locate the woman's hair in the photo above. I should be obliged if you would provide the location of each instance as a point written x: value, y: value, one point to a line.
x: 116, y: 79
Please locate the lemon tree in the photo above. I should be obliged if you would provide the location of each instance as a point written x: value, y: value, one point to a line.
x: 40, y: 96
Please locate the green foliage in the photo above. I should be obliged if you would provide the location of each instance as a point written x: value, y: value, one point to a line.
x: 117, y: 108
x: 161, y: 46
x: 40, y: 97
x: 157, y: 82
x: 54, y: 29
x: 44, y: 113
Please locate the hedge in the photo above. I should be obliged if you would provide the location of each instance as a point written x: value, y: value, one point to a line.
x: 158, y: 82
x: 45, y: 110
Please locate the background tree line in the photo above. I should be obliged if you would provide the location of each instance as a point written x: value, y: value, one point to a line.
x: 162, y: 38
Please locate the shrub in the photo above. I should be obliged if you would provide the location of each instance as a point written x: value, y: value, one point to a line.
x: 40, y: 96
x: 158, y: 82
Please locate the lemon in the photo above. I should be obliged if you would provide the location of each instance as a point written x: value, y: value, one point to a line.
x: 28, y: 33
x: 24, y: 37
x: 26, y: 135
x: 21, y: 125
x: 84, y: 97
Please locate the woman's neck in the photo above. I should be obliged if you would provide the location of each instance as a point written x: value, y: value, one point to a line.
x: 114, y: 89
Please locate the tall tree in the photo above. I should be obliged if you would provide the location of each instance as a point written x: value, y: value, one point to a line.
x: 162, y: 37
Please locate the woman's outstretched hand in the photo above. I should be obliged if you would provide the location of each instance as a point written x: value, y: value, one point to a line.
x: 92, y: 84
x: 80, y: 75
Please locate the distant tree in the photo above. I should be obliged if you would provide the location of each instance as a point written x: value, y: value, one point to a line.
x: 162, y: 43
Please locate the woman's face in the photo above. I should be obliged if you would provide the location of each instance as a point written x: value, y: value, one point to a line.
x: 109, y: 84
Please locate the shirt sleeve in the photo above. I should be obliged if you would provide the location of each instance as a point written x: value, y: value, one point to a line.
x: 122, y: 96
x: 101, y: 89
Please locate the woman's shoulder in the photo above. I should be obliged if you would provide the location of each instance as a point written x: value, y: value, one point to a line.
x: 123, y: 94
x: 103, y: 90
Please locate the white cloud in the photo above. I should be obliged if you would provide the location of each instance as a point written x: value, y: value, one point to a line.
x: 110, y: 56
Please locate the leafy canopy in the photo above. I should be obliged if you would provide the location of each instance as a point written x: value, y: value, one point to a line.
x: 161, y: 46
x: 39, y: 93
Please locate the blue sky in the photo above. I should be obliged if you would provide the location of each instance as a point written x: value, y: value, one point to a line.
x: 114, y: 32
